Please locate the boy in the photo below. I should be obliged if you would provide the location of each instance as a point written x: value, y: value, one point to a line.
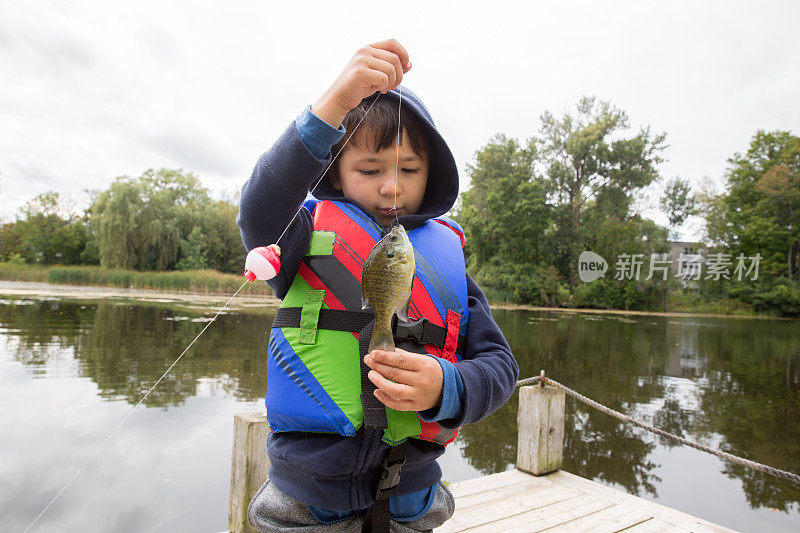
x: 328, y: 471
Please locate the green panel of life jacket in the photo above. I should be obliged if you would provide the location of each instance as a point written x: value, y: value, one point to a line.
x: 339, y: 370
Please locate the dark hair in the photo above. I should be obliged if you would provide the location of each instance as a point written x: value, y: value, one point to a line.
x: 381, y: 127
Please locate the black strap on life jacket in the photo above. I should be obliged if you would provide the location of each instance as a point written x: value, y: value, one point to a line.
x: 377, y: 517
x: 421, y: 331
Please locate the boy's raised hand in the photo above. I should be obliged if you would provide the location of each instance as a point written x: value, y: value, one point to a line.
x: 376, y: 67
x: 406, y: 381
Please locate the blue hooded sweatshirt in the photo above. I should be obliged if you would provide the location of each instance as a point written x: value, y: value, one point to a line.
x: 330, y: 471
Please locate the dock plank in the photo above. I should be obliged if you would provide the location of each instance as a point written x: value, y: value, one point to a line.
x: 531, y: 490
x: 489, y: 483
x: 517, y: 502
x: 550, y: 516
x: 667, y: 514
x: 608, y: 520
x: 656, y: 525
x: 493, y: 510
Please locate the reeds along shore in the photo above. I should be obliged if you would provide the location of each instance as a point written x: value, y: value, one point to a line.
x: 201, y: 281
x: 213, y: 282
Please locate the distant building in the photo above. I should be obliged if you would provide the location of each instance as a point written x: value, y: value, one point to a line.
x: 687, y: 261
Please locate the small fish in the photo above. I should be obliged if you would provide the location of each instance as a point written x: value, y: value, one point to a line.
x: 386, y: 284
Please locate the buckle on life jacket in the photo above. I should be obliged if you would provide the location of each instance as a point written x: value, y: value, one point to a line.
x: 410, y: 331
x: 390, y: 476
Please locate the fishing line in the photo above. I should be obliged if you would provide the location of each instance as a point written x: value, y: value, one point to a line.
x: 329, y: 166
x: 397, y: 164
x: 207, y: 325
x: 132, y: 410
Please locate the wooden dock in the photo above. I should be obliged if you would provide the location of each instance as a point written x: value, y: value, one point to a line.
x: 516, y: 501
x: 536, y: 496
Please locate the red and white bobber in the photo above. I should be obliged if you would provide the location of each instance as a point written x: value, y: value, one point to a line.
x: 262, y: 263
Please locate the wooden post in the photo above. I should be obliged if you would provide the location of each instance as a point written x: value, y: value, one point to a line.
x: 540, y: 423
x: 249, y: 466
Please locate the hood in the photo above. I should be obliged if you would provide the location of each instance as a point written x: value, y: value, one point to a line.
x: 442, y: 188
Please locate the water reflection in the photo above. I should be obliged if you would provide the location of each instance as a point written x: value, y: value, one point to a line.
x: 125, y: 347
x: 733, y: 384
x: 729, y: 383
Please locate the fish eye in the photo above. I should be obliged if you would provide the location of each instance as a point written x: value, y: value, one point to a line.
x: 393, y: 238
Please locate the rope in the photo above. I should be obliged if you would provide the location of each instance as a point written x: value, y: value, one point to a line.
x: 660, y: 432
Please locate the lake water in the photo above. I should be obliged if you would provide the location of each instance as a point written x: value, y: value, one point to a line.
x: 70, y: 372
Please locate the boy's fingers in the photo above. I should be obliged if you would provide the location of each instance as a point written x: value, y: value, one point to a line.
x: 394, y: 59
x: 376, y: 79
x: 398, y: 358
x: 394, y: 403
x: 393, y: 46
x: 380, y: 65
x: 395, y: 390
x: 393, y: 373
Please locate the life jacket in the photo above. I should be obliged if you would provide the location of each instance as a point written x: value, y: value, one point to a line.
x: 314, y: 371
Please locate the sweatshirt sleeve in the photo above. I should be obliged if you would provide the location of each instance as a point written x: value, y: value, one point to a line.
x: 488, y: 370
x: 452, y: 395
x: 271, y: 197
x: 316, y: 134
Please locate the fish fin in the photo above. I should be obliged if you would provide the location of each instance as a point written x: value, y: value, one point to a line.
x: 382, y: 339
x: 402, y: 313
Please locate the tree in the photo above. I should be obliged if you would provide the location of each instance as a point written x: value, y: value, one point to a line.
x: 48, y: 233
x: 139, y: 223
x: 10, y: 241
x: 588, y: 166
x: 584, y: 159
x: 781, y: 187
x: 505, y: 211
x: 533, y: 208
x: 759, y: 212
x: 193, y: 251
x: 505, y: 215
x: 678, y: 203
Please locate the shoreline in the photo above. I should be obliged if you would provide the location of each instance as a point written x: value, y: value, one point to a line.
x: 248, y: 301
x: 520, y: 307
x: 96, y: 292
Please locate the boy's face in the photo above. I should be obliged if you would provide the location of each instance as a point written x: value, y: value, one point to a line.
x: 369, y: 178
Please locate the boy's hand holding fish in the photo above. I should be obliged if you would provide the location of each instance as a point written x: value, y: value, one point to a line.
x: 376, y: 67
x: 406, y: 381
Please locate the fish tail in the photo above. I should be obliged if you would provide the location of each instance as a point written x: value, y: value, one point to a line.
x: 382, y: 339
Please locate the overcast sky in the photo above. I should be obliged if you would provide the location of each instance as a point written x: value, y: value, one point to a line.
x: 94, y: 90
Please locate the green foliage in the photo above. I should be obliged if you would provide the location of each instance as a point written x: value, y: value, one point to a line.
x: 769, y: 294
x: 690, y: 301
x: 222, y: 243
x: 17, y: 270
x: 147, y: 223
x: 505, y: 212
x: 533, y: 208
x: 192, y: 249
x: 16, y: 259
x: 619, y: 294
x: 44, y: 233
x: 189, y: 280
x: 523, y: 283
x: 138, y: 222
x: 678, y: 203
x: 589, y: 167
x: 10, y: 241
x: 584, y: 156
x: 760, y: 210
